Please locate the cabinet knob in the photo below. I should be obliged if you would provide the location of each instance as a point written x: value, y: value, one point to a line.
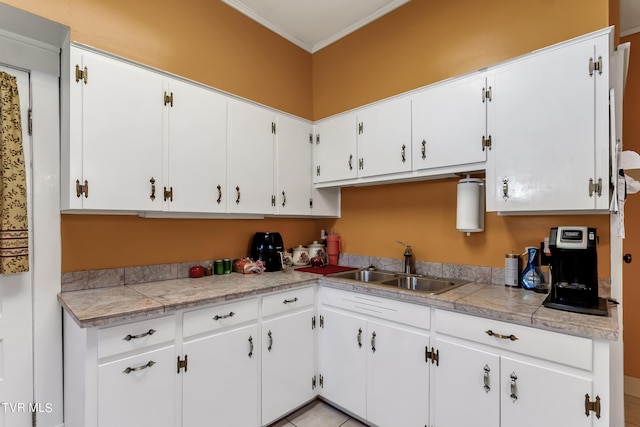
x: 627, y: 258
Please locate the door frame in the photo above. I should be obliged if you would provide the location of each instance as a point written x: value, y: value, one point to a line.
x: 33, y: 43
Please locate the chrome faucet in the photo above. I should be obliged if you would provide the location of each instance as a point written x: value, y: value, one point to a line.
x: 407, y: 266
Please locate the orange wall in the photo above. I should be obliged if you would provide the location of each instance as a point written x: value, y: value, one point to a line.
x: 631, y: 272
x: 419, y: 43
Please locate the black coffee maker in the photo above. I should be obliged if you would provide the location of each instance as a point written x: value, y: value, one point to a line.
x: 267, y: 246
x: 574, y: 271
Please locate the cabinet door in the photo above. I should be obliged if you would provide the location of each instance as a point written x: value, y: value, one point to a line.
x: 542, y: 122
x: 470, y: 375
x: 138, y: 391
x: 288, y: 364
x: 197, y: 148
x: 384, y: 138
x: 342, y: 360
x: 397, y: 376
x: 535, y: 395
x: 121, y: 123
x: 336, y: 156
x: 251, y: 158
x: 449, y: 121
x: 326, y: 202
x: 293, y: 192
x: 222, y: 381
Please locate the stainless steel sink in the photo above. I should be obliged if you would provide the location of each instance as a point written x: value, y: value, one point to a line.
x: 413, y: 282
x: 424, y: 284
x: 366, y: 275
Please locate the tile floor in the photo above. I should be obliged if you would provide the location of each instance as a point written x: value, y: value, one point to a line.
x: 319, y: 414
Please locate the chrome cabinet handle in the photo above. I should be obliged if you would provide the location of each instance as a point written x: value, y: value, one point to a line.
x: 237, y: 194
x: 373, y: 342
x: 153, y: 189
x: 514, y: 386
x: 270, y: 341
x: 219, y: 194
x: 350, y: 162
x: 505, y: 188
x: 424, y: 149
x: 250, y: 346
x: 149, y: 364
x: 359, y: 337
x: 487, y: 388
x: 135, y: 337
x: 284, y: 199
x: 289, y: 301
x: 504, y: 337
x: 404, y: 148
x: 224, y: 316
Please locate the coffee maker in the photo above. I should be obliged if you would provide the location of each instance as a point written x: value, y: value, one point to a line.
x: 574, y: 271
x: 267, y: 247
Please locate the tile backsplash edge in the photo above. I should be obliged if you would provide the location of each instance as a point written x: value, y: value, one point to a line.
x: 92, y: 279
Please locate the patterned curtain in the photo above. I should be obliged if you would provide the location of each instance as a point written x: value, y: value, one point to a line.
x: 14, y: 235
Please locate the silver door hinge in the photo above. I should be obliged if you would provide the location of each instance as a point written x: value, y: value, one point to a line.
x: 595, y: 66
x: 318, y: 170
x: 321, y: 381
x: 322, y: 321
x: 273, y: 128
x: 310, y: 138
x: 313, y: 322
x: 486, y: 142
x: 30, y: 121
x: 486, y: 94
x: 433, y: 355
x: 595, y: 187
x: 273, y: 200
x: 360, y: 128
x: 318, y: 139
x: 313, y: 382
x: 182, y: 364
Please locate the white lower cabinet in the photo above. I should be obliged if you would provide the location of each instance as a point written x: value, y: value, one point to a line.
x: 220, y: 386
x: 511, y: 376
x: 288, y: 352
x: 372, y: 363
x: 138, y: 390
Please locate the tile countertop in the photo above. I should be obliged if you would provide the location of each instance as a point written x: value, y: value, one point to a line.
x: 117, y: 304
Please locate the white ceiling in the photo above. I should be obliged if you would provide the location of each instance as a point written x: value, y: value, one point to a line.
x: 629, y: 17
x: 314, y: 24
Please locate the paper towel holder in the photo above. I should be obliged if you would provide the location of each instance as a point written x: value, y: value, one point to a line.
x: 470, y: 205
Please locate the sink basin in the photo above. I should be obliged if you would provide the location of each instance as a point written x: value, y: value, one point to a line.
x: 424, y: 284
x: 366, y: 275
x: 430, y: 285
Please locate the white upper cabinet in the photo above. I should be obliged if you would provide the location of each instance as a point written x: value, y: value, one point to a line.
x: 549, y: 122
x: 115, y: 147
x: 293, y: 189
x: 251, y: 158
x: 384, y: 138
x: 336, y: 152
x: 449, y: 122
x: 196, y: 150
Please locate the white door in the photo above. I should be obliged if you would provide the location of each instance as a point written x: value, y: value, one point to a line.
x: 384, y: 138
x: 16, y: 334
x: 294, y: 163
x: 335, y: 145
x: 397, y: 376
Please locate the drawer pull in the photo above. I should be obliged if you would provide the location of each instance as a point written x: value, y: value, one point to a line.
x: 504, y: 337
x: 487, y: 388
x: 359, y: 337
x: 289, y: 301
x: 373, y: 342
x: 224, y: 316
x: 514, y: 386
x: 149, y: 364
x: 250, y: 346
x: 135, y: 337
x: 270, y: 341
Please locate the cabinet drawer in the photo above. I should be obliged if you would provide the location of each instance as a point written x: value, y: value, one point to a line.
x: 137, y: 335
x: 553, y: 346
x: 219, y: 316
x: 287, y: 301
x: 389, y: 309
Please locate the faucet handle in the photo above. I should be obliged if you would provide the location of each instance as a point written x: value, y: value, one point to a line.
x: 398, y: 241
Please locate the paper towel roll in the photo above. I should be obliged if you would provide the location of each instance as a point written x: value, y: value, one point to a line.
x: 470, y: 207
